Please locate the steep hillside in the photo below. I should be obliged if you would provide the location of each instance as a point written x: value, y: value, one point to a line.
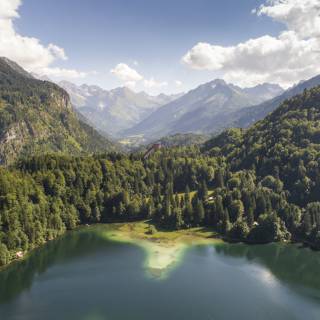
x: 286, y: 144
x: 37, y: 116
x: 205, y: 109
x: 115, y: 110
x: 265, y: 91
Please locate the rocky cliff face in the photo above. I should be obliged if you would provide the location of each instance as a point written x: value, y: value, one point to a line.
x: 37, y: 116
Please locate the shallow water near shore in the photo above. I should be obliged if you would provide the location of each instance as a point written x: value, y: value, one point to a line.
x: 106, y: 273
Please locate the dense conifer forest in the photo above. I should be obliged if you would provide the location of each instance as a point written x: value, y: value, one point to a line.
x: 258, y: 185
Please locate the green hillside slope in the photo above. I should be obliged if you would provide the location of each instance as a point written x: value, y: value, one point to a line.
x: 37, y: 116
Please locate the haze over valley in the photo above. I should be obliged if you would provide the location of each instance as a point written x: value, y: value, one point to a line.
x: 124, y: 113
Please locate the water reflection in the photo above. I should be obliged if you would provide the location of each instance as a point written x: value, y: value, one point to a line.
x: 296, y: 267
x: 293, y: 265
x: 20, y: 275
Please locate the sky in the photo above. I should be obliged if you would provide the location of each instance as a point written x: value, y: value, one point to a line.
x: 163, y: 46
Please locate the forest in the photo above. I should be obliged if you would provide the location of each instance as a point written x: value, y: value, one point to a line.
x: 258, y: 185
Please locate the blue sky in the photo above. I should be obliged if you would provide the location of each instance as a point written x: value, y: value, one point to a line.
x: 151, y: 37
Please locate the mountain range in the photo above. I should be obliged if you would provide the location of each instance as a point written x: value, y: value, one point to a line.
x: 138, y: 117
x: 116, y: 110
x: 216, y: 106
x: 205, y: 109
x: 121, y: 113
x: 247, y: 116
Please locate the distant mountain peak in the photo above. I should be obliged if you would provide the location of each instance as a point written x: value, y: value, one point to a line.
x: 265, y: 90
x: 115, y: 110
x: 217, y: 82
x: 201, y: 110
x: 268, y: 85
x: 250, y: 115
x: 122, y: 112
x: 161, y: 95
x: 124, y: 91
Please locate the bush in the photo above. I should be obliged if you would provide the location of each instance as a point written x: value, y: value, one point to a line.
x: 152, y: 230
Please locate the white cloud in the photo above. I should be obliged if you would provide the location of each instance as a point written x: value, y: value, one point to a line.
x: 123, y: 72
x: 8, y: 9
x: 62, y: 73
x: 286, y: 59
x: 57, y: 52
x: 178, y: 83
x: 300, y: 16
x: 130, y: 77
x: 29, y: 52
x: 153, y: 84
x: 130, y: 84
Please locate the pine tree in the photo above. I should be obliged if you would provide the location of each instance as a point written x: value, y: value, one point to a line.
x: 188, y: 210
x: 199, y: 212
x: 151, y: 208
x: 125, y: 198
x: 261, y: 205
x: 226, y: 225
x: 167, y: 207
x: 250, y: 217
x: 219, y: 179
x: 306, y: 223
x: 178, y: 218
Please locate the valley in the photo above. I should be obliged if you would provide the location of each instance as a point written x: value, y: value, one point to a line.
x: 114, y: 111
x: 230, y: 182
x: 159, y: 160
x: 138, y: 118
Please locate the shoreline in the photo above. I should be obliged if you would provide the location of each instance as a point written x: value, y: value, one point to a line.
x: 164, y: 249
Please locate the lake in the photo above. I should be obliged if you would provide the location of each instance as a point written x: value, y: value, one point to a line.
x: 85, y: 276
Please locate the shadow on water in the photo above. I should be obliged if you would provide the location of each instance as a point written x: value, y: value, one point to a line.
x: 20, y: 275
x: 293, y: 265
